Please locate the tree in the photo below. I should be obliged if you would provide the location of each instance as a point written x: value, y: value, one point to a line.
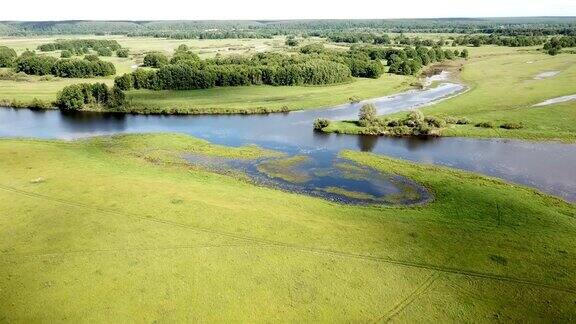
x: 7, y: 56
x: 104, y: 51
x: 65, y: 54
x: 116, y: 98
x: 124, y: 82
x: 71, y: 98
x: 122, y: 52
x: 155, y: 60
x: 291, y: 41
x: 367, y: 114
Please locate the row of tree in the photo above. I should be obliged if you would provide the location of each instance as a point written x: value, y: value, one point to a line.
x: 89, y: 66
x: 104, y: 47
x: 315, y: 65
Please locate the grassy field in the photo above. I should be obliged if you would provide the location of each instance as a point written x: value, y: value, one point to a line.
x: 503, y: 88
x: 238, y: 99
x: 113, y: 229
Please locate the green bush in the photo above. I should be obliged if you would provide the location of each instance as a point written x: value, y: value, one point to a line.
x: 155, y: 60
x: 71, y: 98
x: 463, y: 121
x: 435, y: 122
x: 65, y: 54
x: 488, y: 124
x: 123, y: 52
x: 367, y: 114
x: 512, y: 125
x: 321, y: 123
x: 7, y: 56
x: 124, y: 82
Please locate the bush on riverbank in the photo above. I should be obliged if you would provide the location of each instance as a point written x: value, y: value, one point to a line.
x: 78, y: 96
x: 321, y: 123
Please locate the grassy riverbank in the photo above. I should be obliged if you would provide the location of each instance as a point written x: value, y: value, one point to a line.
x: 503, y: 89
x: 117, y: 229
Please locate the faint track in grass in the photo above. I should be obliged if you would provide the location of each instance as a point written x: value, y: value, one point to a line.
x: 405, y: 302
x: 272, y: 243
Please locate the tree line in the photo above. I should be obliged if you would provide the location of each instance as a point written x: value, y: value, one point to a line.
x: 256, y: 29
x: 104, y: 47
x: 90, y: 66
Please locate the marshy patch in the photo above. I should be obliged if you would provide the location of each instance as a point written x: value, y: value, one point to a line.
x: 546, y: 75
x: 320, y: 175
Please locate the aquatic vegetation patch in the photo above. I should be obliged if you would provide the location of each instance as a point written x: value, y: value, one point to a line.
x: 325, y: 176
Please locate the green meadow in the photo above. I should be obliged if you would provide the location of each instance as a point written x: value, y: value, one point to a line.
x: 117, y: 229
x: 503, y: 87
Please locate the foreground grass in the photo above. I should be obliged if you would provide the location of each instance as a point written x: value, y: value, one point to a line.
x: 115, y: 229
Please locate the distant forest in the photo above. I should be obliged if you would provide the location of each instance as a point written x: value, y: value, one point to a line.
x: 533, y: 26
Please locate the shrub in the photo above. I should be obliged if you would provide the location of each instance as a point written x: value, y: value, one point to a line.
x: 155, y: 60
x: 435, y: 122
x: 367, y: 114
x: 512, y: 126
x: 7, y: 56
x: 488, y: 124
x: 39, y: 104
x: 321, y: 123
x: 401, y: 130
x: 71, y: 98
x: 354, y: 99
x: 91, y: 57
x: 65, y: 54
x: 416, y: 116
x: 394, y: 123
x: 124, y: 82
x: 116, y: 98
x: 104, y: 51
x: 463, y: 121
x: 123, y: 52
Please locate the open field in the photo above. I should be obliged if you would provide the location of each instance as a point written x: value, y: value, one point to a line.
x: 504, y: 85
x: 271, y: 97
x: 117, y: 229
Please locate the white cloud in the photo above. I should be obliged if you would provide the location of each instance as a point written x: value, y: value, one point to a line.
x: 292, y: 9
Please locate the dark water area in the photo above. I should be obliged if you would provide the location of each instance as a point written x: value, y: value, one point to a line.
x: 337, y: 180
x: 549, y: 167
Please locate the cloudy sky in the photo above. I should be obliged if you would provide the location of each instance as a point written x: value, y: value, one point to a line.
x: 287, y: 9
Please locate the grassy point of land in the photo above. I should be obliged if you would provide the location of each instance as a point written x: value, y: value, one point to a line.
x: 503, y: 89
x: 94, y: 225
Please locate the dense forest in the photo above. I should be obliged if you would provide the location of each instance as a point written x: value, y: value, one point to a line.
x: 533, y: 26
x: 314, y: 65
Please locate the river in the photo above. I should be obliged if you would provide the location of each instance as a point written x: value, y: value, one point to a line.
x: 547, y: 166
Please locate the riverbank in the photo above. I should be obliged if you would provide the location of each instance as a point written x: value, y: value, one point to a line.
x: 504, y: 89
x: 117, y: 207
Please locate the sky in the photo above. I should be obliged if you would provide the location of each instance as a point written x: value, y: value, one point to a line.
x: 37, y: 10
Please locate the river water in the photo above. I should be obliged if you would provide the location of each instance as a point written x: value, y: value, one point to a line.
x: 549, y: 167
